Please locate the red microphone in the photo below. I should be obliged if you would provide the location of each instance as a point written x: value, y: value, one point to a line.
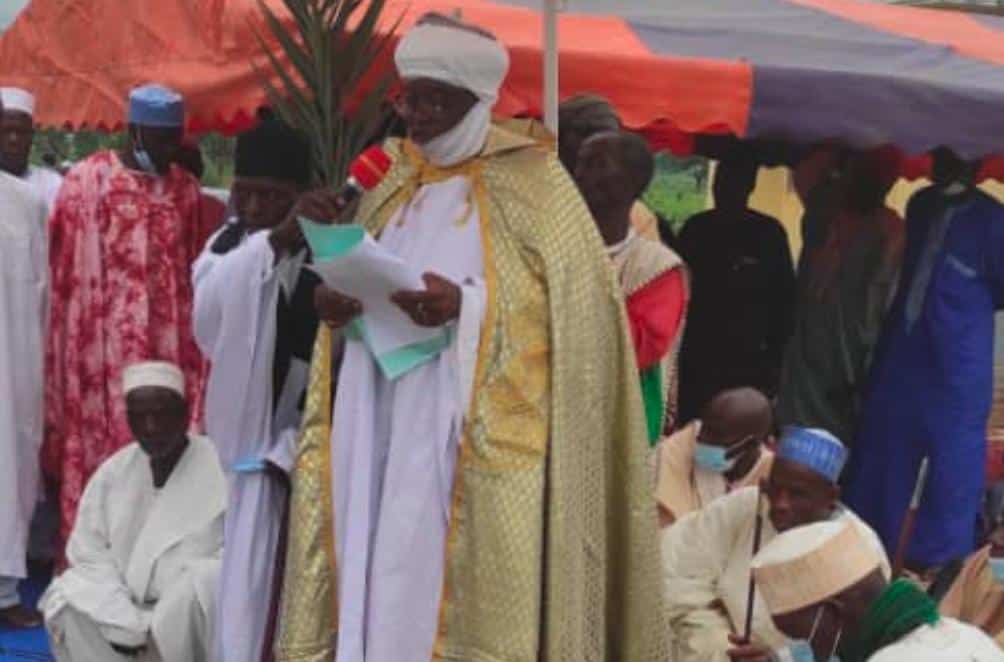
x: 366, y: 172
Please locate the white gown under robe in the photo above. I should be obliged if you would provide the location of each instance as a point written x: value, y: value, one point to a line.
x: 394, y: 447
x: 706, y: 558
x: 236, y: 296
x: 23, y: 281
x: 143, y: 563
x: 946, y: 641
x: 46, y: 183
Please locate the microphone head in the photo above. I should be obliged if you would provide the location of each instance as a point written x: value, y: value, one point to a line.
x: 370, y: 167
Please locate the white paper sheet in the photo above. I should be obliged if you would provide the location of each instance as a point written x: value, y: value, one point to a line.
x: 365, y: 270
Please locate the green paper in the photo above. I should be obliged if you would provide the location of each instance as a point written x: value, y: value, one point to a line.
x: 328, y: 242
x: 403, y: 359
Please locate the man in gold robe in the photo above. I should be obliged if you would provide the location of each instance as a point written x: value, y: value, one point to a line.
x: 493, y: 502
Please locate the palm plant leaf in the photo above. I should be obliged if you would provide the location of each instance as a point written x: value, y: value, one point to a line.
x: 319, y: 67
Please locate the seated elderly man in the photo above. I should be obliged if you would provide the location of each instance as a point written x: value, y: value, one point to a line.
x: 144, y: 552
x: 707, y: 553
x: 826, y: 588
x: 722, y: 452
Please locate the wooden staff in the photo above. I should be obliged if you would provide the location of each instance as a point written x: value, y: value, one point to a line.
x: 910, y: 521
x: 757, y: 537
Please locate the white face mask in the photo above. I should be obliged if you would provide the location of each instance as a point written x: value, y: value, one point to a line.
x: 463, y: 141
x: 800, y: 650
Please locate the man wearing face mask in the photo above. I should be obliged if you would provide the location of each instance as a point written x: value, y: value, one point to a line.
x: 721, y: 452
x: 932, y: 379
x: 493, y: 502
x: 826, y: 589
x: 707, y: 554
x: 124, y: 233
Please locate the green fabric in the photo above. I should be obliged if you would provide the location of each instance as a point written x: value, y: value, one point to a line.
x: 402, y: 360
x: 901, y: 609
x: 330, y: 241
x: 655, y: 403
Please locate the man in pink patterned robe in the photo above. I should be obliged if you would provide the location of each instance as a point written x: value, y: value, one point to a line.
x: 124, y: 233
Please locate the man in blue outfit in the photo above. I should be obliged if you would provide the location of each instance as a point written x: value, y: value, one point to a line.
x: 932, y: 377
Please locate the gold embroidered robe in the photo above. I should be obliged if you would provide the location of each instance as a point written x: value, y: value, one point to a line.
x: 552, y: 551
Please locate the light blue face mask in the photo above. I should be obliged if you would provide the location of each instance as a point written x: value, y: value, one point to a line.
x: 997, y: 567
x: 713, y: 458
x: 144, y: 161
x: 800, y: 650
x: 142, y: 157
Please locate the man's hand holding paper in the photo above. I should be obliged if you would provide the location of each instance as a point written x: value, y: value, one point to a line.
x: 437, y: 305
x: 379, y: 299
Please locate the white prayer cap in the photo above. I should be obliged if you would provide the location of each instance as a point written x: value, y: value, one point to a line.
x: 447, y: 52
x: 808, y: 564
x: 154, y: 373
x: 14, y: 98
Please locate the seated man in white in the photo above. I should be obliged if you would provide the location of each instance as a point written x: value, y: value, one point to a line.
x: 144, y: 552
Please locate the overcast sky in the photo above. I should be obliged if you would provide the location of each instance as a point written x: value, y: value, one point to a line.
x: 9, y: 9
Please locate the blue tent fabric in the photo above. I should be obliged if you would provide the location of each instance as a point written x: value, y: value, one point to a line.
x: 27, y: 645
x: 819, y: 76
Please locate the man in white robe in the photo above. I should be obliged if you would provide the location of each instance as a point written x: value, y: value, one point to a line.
x: 23, y: 283
x: 394, y: 442
x: 707, y: 553
x: 826, y: 588
x: 17, y: 132
x: 255, y: 321
x: 144, y: 552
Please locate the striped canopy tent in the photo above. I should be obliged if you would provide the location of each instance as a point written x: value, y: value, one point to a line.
x: 865, y: 73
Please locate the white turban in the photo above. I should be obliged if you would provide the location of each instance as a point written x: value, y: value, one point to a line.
x: 154, y: 373
x: 456, y: 56
x: 14, y: 98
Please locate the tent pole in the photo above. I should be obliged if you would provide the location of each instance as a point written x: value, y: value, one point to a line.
x: 551, y: 9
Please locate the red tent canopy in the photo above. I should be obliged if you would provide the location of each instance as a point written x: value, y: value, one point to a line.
x: 794, y: 70
x: 81, y: 57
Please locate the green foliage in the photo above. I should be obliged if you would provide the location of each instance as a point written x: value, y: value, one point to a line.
x: 678, y: 189
x: 72, y: 146
x: 59, y: 147
x: 327, y: 64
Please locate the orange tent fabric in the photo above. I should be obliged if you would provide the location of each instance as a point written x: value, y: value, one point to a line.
x: 81, y: 57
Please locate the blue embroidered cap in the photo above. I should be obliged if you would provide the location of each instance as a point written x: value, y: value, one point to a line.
x: 157, y: 106
x: 815, y: 449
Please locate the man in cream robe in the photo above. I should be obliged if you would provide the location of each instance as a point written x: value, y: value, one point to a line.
x: 483, y: 508
x: 144, y: 552
x: 23, y: 280
x: 255, y: 322
x: 717, y: 454
x: 707, y: 553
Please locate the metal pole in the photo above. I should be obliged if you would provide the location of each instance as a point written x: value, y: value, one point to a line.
x: 551, y: 9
